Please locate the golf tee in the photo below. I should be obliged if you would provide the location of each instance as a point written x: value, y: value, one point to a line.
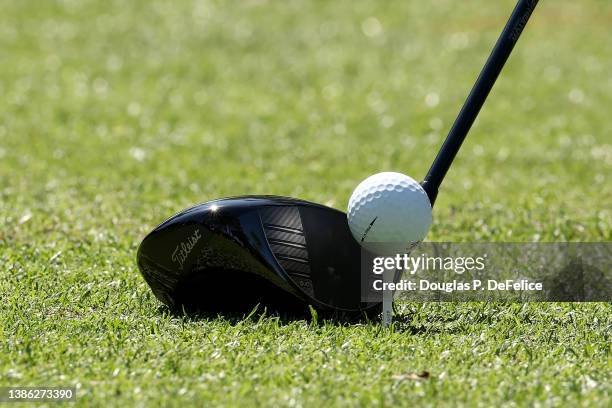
x: 387, y: 303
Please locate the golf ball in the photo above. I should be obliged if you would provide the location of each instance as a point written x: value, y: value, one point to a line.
x: 389, y: 208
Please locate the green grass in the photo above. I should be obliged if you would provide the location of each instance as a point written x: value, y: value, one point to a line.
x: 116, y: 114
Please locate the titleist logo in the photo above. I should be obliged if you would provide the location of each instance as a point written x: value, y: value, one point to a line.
x: 183, y: 249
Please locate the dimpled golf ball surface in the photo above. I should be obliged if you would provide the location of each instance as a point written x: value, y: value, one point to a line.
x: 389, y: 208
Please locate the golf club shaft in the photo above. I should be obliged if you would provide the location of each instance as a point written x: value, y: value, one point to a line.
x: 478, y: 95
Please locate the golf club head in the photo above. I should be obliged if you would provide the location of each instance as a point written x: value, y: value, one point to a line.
x: 234, y: 253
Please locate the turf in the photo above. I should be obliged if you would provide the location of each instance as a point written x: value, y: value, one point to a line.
x: 116, y: 114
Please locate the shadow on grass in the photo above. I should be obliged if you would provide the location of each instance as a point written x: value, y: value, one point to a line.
x: 198, y: 297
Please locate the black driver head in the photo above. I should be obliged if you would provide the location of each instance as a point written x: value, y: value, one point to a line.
x: 234, y: 253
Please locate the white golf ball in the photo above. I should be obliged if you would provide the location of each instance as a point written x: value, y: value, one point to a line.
x: 389, y: 208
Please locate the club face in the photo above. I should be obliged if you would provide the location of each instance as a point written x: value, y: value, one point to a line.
x: 254, y: 249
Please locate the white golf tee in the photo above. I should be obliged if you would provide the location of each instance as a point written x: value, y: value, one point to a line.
x: 387, y: 303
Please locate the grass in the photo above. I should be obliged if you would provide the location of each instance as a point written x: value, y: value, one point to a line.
x: 115, y: 115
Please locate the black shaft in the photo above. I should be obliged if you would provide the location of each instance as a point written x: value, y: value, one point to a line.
x: 478, y: 95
